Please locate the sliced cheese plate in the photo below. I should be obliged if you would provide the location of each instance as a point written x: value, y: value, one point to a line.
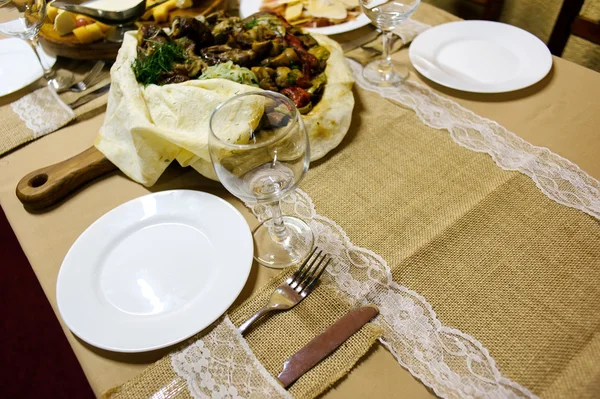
x: 328, y: 8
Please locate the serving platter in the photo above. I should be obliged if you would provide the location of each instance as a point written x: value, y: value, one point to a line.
x: 69, y: 47
x: 326, y: 118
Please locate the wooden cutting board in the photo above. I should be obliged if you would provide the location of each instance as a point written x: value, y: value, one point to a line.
x: 47, y: 186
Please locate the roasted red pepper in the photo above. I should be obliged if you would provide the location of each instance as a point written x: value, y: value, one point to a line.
x: 310, y: 63
x: 298, y: 95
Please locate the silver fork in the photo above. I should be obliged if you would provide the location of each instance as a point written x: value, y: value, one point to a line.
x: 88, y: 81
x: 295, y: 288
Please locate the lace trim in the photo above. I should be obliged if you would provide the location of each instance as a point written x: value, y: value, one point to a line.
x: 558, y: 178
x: 220, y: 365
x: 42, y: 111
x: 453, y: 364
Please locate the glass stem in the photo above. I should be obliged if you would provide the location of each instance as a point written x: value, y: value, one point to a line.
x: 278, y: 230
x: 386, y: 56
x: 37, y: 49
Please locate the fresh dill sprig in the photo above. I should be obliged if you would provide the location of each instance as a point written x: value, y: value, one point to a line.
x: 149, y: 69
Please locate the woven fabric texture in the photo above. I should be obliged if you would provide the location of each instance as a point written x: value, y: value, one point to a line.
x: 493, y: 255
x: 48, y: 115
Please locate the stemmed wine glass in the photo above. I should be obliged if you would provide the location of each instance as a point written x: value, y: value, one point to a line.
x: 387, y: 15
x: 260, y: 151
x: 26, y: 26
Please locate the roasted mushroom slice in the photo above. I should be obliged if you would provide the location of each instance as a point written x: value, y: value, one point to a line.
x: 224, y: 28
x: 192, y: 29
x: 194, y: 67
x: 150, y: 32
x: 215, y: 18
x: 149, y: 36
x: 265, y: 78
x: 222, y: 53
x: 285, y: 77
x: 317, y: 87
x: 187, y: 44
x: 287, y: 58
x: 322, y: 55
x: 263, y: 73
x: 262, y: 48
x: 278, y: 45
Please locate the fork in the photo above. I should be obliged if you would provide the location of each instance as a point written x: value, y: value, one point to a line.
x: 295, y: 288
x: 88, y: 81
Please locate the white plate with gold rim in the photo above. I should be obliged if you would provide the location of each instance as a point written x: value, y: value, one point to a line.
x: 154, y: 271
x: 480, y: 56
x: 249, y: 7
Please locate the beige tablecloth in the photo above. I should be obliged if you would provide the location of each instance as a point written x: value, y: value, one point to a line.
x: 561, y: 113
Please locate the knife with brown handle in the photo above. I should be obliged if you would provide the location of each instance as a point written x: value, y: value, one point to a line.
x: 325, y: 343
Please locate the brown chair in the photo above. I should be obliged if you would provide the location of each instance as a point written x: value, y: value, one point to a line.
x: 569, y: 22
x: 491, y: 9
x: 473, y: 9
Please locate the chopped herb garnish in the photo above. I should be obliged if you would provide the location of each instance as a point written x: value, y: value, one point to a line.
x: 149, y: 69
x: 252, y: 23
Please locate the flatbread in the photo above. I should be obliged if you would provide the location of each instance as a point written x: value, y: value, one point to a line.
x: 147, y: 128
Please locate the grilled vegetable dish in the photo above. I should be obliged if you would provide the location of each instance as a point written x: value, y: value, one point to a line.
x: 263, y: 50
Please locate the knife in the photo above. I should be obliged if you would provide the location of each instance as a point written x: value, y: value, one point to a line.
x: 325, y: 343
x: 89, y: 97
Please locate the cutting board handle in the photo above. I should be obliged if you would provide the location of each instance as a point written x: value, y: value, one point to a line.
x: 47, y: 186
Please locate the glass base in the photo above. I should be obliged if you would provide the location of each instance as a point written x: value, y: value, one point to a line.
x: 277, y: 253
x: 116, y: 33
x: 376, y: 75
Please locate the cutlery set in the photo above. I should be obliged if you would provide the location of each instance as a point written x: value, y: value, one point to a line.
x: 90, y: 79
x: 90, y: 96
x: 297, y: 287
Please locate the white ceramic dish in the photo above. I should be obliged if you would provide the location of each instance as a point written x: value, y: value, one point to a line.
x: 154, y: 271
x: 19, y: 66
x: 249, y: 7
x: 480, y: 56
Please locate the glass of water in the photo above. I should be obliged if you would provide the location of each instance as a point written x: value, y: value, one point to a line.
x: 387, y: 15
x: 30, y: 18
x: 260, y: 151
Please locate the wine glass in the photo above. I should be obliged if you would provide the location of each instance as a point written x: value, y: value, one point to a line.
x: 32, y: 14
x: 260, y: 151
x: 387, y: 15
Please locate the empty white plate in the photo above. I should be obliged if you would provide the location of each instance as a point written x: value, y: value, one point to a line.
x: 154, y: 271
x: 19, y: 66
x: 249, y: 7
x: 480, y: 56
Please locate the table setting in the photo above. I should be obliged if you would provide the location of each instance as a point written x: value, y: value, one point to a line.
x: 313, y: 199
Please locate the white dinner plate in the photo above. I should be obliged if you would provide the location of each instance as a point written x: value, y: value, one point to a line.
x: 480, y: 56
x: 154, y: 271
x: 19, y: 66
x: 249, y: 7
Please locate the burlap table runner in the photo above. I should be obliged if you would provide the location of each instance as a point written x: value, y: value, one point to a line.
x: 493, y: 255
x: 42, y: 112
